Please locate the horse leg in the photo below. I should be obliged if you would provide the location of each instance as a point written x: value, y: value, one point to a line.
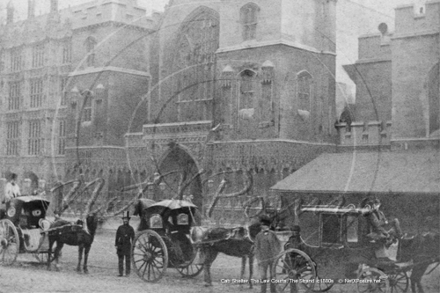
x: 210, y: 255
x: 251, y: 269
x: 243, y: 270
x: 49, y: 253
x: 86, y: 256
x: 416, y: 278
x: 80, y: 252
x: 57, y: 254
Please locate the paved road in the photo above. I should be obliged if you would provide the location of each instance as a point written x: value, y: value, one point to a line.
x: 27, y: 275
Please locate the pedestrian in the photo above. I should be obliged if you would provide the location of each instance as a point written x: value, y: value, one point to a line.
x: 12, y: 189
x: 123, y: 241
x: 267, y: 248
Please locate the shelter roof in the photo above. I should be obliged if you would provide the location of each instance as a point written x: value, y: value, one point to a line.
x: 364, y: 172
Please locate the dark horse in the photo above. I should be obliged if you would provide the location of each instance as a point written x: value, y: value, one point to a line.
x: 236, y: 242
x: 63, y: 232
x: 423, y: 250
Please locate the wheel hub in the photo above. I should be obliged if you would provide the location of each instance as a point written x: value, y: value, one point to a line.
x: 3, y: 242
x: 148, y: 256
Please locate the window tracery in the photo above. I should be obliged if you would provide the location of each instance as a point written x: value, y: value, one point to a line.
x: 194, y: 64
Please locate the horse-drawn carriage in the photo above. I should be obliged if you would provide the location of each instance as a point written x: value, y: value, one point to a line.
x: 22, y: 229
x: 163, y: 239
x: 334, y: 248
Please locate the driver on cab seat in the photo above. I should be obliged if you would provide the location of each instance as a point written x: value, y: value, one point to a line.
x: 379, y: 224
x: 12, y: 189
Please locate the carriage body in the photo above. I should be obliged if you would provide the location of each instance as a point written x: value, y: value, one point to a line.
x: 334, y: 246
x: 22, y: 226
x: 163, y: 239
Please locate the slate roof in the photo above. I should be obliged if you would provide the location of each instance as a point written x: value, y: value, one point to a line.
x: 363, y: 172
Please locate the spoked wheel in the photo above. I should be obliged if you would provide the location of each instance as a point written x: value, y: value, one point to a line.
x: 372, y: 280
x: 399, y: 282
x: 191, y: 270
x: 149, y: 256
x: 291, y: 266
x: 9, y: 242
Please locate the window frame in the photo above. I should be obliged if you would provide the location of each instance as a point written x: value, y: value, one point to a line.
x: 90, y: 45
x: 67, y: 52
x: 249, y: 21
x: 38, y: 55
x: 304, y: 90
x: 14, y: 97
x: 36, y: 89
x: 87, y: 109
x: 12, y: 138
x: 35, y: 145
x: 248, y: 89
x: 16, y: 59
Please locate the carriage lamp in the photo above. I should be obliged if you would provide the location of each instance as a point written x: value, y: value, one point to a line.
x: 162, y: 186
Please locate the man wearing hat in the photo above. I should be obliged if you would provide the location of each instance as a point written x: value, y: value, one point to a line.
x: 123, y: 241
x: 267, y: 248
x: 378, y: 222
x: 11, y: 189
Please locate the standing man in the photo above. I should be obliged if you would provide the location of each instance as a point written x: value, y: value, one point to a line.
x: 12, y: 190
x: 123, y: 241
x: 267, y: 248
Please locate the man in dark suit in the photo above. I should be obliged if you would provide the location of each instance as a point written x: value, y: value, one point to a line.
x: 123, y: 241
x: 267, y: 248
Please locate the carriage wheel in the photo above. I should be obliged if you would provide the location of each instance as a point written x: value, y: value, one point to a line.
x: 149, y: 256
x: 399, y: 282
x: 372, y: 280
x: 291, y: 265
x: 9, y: 242
x: 191, y: 270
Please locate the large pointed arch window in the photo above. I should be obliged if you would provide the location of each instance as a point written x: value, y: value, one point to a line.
x: 249, y: 20
x: 194, y: 62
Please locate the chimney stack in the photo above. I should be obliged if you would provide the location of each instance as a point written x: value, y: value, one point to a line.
x: 53, y: 6
x: 10, y: 13
x: 31, y: 8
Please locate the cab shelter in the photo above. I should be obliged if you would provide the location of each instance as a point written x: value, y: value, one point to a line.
x: 407, y: 183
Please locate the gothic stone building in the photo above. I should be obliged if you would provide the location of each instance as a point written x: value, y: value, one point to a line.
x: 91, y: 57
x: 244, y: 87
x: 240, y: 86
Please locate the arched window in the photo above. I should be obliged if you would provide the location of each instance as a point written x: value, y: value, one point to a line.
x: 87, y: 110
x: 90, y: 49
x: 304, y: 90
x: 247, y: 89
x: 249, y: 21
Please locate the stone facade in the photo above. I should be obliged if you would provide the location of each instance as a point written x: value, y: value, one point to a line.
x: 397, y: 74
x: 237, y: 90
x: 50, y: 65
x: 227, y: 86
